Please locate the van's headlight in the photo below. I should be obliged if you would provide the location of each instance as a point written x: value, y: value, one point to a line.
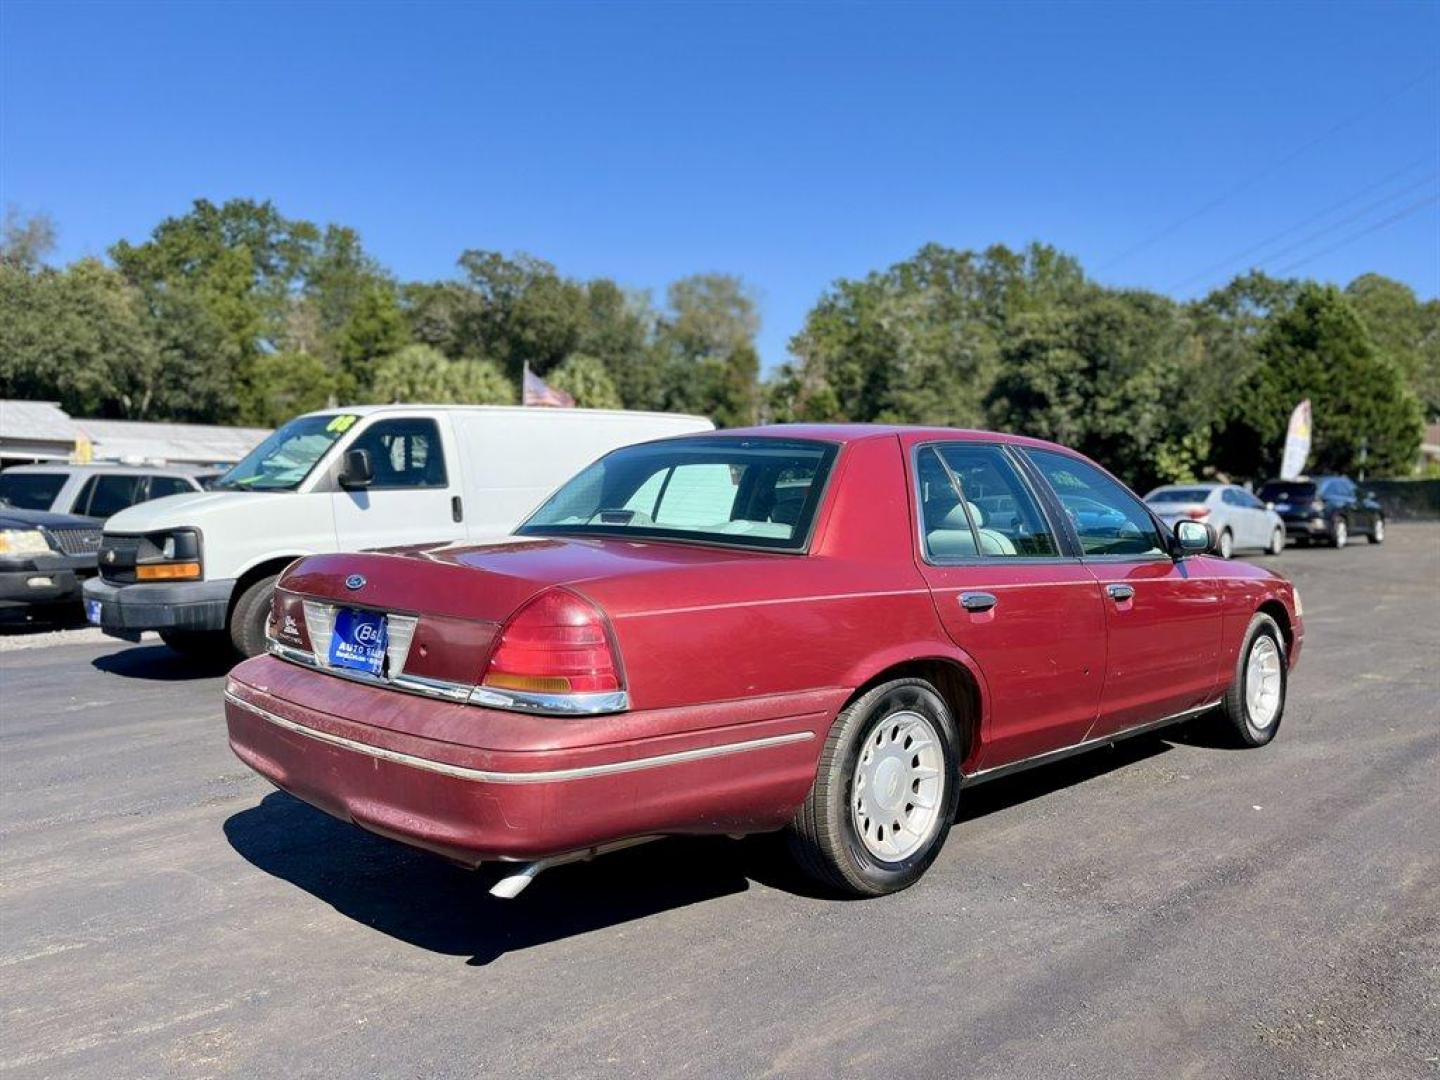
x: 24, y: 542
x: 173, y: 555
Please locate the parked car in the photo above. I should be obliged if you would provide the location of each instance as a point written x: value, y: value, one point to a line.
x: 44, y: 557
x: 816, y: 628
x: 1239, y: 519
x: 200, y: 569
x: 94, y: 491
x: 1325, y: 509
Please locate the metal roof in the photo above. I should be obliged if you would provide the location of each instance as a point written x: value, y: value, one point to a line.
x: 36, y: 421
x: 141, y: 440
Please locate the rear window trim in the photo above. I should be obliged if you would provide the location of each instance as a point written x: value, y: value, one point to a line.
x: 831, y: 451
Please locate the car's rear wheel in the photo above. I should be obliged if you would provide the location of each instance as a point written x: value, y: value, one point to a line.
x: 884, y: 794
x: 1377, y: 531
x: 1226, y: 546
x: 247, y: 617
x: 1277, y: 542
x: 1255, y: 703
x: 1339, y: 533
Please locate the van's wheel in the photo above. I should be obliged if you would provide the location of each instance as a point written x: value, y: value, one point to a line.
x: 1339, y: 533
x: 885, y: 792
x: 1254, y: 704
x: 1277, y: 542
x: 1227, y: 545
x: 198, y: 644
x: 1377, y: 531
x: 247, y: 617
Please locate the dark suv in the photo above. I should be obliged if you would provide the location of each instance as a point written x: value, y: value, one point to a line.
x: 1325, y: 508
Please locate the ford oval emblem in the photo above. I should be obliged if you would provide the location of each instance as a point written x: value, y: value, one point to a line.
x: 354, y: 581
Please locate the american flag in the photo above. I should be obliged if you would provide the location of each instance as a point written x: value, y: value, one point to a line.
x: 535, y: 391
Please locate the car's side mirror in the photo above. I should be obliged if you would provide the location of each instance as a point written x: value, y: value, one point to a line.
x: 357, y: 471
x: 1194, y: 537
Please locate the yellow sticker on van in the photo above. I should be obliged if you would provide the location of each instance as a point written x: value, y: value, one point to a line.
x: 342, y: 423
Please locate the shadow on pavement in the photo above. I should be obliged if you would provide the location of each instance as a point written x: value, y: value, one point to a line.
x: 1020, y: 788
x: 159, y: 663
x: 426, y: 902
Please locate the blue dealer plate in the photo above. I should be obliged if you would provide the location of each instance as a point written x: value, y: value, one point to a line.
x: 92, y: 612
x: 358, y: 642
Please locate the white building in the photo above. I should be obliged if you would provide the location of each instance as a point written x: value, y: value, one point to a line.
x: 36, y: 431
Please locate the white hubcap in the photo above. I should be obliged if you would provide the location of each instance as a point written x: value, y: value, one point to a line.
x: 1262, y: 682
x: 895, y: 792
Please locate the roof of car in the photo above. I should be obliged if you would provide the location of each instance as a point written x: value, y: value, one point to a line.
x: 529, y: 410
x: 113, y: 467
x: 910, y: 433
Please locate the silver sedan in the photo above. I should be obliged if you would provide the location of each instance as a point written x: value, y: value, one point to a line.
x: 1240, y: 519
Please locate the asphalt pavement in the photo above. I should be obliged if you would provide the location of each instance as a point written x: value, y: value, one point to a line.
x: 1165, y: 909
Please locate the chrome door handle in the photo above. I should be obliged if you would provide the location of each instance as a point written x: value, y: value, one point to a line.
x: 977, y: 601
x: 1120, y: 593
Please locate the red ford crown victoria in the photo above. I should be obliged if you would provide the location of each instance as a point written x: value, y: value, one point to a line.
x: 830, y: 630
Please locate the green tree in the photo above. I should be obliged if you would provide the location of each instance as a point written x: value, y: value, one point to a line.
x: 284, y: 385
x: 704, y: 349
x: 420, y: 373
x: 1364, y: 416
x: 375, y: 328
x: 586, y: 380
x: 1405, y: 330
x: 25, y: 241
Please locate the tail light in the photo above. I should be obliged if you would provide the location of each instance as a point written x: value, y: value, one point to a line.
x: 556, y: 654
x: 1199, y: 513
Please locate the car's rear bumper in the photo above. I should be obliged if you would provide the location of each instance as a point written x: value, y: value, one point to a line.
x: 125, y: 610
x: 488, y: 796
x: 1300, y: 528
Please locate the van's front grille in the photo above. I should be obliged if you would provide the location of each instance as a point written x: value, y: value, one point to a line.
x: 117, y: 558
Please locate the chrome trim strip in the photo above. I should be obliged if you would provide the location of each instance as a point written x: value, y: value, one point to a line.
x: 443, y: 689
x: 490, y: 776
x: 1051, y: 756
x: 586, y: 704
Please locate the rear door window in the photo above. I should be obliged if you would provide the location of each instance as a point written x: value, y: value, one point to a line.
x: 160, y: 486
x: 974, y: 504
x: 113, y: 492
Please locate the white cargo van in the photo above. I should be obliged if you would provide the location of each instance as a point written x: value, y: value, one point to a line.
x: 200, y: 567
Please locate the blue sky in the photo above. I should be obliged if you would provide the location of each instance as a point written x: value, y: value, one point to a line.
x: 791, y: 144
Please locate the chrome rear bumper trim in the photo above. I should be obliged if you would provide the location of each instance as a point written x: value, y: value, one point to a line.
x: 545, y: 776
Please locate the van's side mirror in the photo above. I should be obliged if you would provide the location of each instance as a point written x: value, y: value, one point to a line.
x: 357, y: 471
x: 1194, y: 537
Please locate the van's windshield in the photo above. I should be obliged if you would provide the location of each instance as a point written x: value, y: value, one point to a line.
x: 283, y: 460
x: 747, y: 492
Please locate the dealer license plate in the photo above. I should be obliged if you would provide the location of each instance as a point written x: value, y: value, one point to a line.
x: 358, y: 642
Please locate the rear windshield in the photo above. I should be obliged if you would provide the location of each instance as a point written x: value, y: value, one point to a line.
x: 1178, y: 495
x: 748, y: 492
x: 1287, y: 491
x: 31, y: 491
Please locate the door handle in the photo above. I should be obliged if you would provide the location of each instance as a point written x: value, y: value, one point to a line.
x: 457, y: 509
x: 977, y: 601
x: 1120, y: 593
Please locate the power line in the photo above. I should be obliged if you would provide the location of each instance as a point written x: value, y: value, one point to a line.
x: 1201, y: 211
x: 1406, y: 212
x: 1317, y: 216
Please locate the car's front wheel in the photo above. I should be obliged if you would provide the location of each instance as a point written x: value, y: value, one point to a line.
x: 1254, y: 704
x: 1339, y: 533
x: 885, y: 792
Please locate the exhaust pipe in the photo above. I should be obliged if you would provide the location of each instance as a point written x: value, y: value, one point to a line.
x: 512, y: 885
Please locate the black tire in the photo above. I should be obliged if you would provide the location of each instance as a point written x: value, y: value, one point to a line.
x: 247, y: 617
x: 1234, y: 713
x: 823, y: 838
x: 199, y: 644
x: 1277, y: 542
x: 1339, y: 533
x: 1377, y: 531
